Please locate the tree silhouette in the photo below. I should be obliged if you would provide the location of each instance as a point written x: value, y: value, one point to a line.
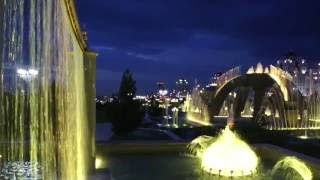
x: 127, y: 113
x: 127, y: 88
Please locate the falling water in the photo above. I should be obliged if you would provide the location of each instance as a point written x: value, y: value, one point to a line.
x: 196, y: 108
x: 313, y: 100
x: 249, y: 104
x: 43, y: 115
x: 289, y: 108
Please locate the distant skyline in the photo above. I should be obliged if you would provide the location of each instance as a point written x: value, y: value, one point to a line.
x: 164, y: 40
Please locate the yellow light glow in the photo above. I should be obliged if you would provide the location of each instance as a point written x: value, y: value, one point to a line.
x: 285, y: 168
x: 204, y: 122
x: 315, y: 120
x: 250, y: 70
x: 296, y: 128
x: 222, y: 116
x: 268, y: 112
x: 229, y: 156
x: 280, y: 77
x: 303, y: 137
x: 247, y: 116
x: 99, y: 163
x: 259, y: 69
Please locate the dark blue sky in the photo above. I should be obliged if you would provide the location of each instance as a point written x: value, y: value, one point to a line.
x: 170, y: 39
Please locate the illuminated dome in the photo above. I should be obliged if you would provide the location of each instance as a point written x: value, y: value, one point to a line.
x: 229, y: 156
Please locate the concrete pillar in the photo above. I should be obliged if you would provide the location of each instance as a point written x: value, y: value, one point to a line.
x: 90, y: 89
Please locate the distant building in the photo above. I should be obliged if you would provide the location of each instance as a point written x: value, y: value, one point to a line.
x: 215, y: 78
x: 292, y: 63
x: 161, y: 85
x: 306, y: 79
x: 182, y: 88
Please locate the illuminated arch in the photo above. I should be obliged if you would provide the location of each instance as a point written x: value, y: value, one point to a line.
x: 260, y: 84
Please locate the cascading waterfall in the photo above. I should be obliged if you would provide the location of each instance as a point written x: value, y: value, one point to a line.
x: 249, y: 104
x: 196, y: 108
x: 313, y: 107
x: 292, y: 108
x: 42, y: 98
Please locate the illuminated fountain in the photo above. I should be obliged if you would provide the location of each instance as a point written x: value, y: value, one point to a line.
x: 229, y: 156
x: 43, y: 115
x: 175, y: 117
x: 291, y: 168
x: 197, y: 146
x: 196, y: 108
x: 295, y: 106
x: 314, y: 104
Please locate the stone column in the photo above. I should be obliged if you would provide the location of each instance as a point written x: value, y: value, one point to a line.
x: 90, y: 89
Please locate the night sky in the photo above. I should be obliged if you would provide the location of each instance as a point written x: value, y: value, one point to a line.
x: 164, y: 40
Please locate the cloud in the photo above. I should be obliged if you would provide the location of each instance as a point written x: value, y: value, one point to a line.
x: 141, y: 56
x: 109, y: 49
x: 103, y: 48
x: 168, y: 39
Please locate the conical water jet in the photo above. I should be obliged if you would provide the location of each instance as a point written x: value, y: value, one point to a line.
x: 229, y: 156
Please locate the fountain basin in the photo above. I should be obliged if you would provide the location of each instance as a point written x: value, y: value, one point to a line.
x: 165, y: 160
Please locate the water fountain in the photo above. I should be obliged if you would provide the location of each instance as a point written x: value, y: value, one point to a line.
x: 197, y: 146
x: 43, y: 115
x: 291, y: 168
x: 229, y: 156
x: 196, y: 108
x: 175, y: 117
x: 295, y: 106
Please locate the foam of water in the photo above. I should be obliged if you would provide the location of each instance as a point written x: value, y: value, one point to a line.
x: 197, y: 146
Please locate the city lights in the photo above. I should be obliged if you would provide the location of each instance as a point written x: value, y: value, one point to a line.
x: 163, y: 92
x: 27, y: 73
x: 193, y: 102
